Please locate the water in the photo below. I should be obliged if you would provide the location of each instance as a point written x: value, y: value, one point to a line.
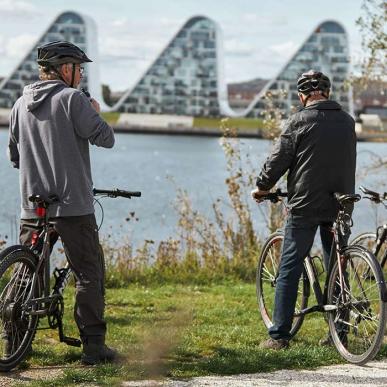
x: 156, y: 165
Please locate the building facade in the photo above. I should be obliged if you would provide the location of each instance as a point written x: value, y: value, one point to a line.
x: 70, y: 26
x: 326, y: 50
x: 186, y: 78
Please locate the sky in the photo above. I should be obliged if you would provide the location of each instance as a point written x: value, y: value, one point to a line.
x: 259, y: 36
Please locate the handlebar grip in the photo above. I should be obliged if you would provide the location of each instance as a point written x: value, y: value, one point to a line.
x: 274, y: 197
x: 116, y: 192
x: 129, y: 194
x: 374, y: 196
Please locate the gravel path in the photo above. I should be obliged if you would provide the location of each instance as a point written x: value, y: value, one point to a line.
x: 344, y: 375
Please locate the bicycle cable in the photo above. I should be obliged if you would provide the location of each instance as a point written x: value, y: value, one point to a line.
x: 102, y: 211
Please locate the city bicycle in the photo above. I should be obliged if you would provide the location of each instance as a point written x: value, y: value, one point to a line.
x: 30, y: 292
x: 354, y: 303
x: 376, y: 242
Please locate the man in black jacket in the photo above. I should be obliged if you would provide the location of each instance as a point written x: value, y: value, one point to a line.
x: 318, y: 151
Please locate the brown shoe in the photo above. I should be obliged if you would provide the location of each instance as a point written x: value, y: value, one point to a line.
x: 274, y: 344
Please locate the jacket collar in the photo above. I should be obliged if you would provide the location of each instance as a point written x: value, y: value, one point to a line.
x: 326, y: 104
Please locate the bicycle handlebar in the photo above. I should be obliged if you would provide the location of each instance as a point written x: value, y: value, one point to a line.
x: 116, y: 193
x: 274, y: 197
x: 373, y: 196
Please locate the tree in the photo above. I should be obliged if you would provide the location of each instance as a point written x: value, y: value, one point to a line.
x: 372, y: 25
x: 106, y: 95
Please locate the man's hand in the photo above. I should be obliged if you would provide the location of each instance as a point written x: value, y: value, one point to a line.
x: 95, y: 105
x: 258, y: 194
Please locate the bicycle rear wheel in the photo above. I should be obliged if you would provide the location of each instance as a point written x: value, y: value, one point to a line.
x: 17, y: 326
x: 357, y: 325
x: 266, y: 279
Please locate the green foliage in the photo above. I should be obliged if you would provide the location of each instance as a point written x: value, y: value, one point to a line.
x: 372, y: 26
x: 240, y: 123
x: 110, y: 117
x: 206, y: 248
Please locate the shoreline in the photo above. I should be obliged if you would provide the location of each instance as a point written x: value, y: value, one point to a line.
x: 210, y: 132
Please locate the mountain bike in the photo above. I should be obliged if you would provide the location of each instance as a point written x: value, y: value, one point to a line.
x: 354, y: 303
x: 28, y: 290
x: 376, y: 242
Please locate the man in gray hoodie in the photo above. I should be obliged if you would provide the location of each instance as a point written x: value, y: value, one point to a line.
x: 51, y: 126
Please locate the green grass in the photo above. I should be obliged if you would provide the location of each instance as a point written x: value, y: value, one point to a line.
x: 240, y: 123
x: 111, y: 117
x: 181, y: 331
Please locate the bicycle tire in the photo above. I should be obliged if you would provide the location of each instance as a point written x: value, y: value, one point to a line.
x: 266, y: 276
x: 17, y: 266
x: 366, y: 239
x: 357, y: 325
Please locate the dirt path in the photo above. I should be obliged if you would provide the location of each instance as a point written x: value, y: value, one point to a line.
x: 345, y: 375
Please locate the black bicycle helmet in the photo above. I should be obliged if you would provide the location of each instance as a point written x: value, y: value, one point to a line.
x: 59, y: 52
x: 313, y: 81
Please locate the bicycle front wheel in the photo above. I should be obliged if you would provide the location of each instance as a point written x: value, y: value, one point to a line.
x: 17, y: 326
x: 366, y: 239
x: 266, y: 280
x: 357, y: 324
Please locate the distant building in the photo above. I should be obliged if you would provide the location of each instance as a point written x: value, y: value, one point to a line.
x: 186, y: 78
x: 240, y: 94
x: 326, y: 50
x: 70, y: 26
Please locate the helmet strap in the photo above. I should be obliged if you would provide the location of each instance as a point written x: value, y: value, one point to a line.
x: 72, y: 75
x: 306, y: 100
x: 57, y: 72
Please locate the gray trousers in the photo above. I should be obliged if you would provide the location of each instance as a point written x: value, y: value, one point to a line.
x: 79, y: 235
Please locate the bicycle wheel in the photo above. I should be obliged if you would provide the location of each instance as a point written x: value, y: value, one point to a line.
x: 266, y: 279
x: 17, y: 327
x: 366, y: 239
x: 357, y: 325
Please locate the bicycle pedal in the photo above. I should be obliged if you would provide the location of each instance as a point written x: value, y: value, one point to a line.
x: 71, y: 341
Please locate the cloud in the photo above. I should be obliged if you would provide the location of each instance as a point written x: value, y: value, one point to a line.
x: 285, y: 50
x: 122, y: 22
x: 17, y: 9
x: 18, y: 46
x: 238, y: 48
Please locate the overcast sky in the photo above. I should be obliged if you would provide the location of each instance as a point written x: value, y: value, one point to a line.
x: 259, y: 35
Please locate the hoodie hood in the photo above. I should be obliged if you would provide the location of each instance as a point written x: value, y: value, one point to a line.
x: 36, y: 93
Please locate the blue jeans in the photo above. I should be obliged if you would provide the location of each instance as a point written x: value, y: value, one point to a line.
x: 298, y: 240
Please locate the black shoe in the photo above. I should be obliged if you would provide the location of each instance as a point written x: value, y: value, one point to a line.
x: 96, y: 355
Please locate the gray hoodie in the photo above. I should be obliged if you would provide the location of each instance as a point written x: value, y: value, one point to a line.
x: 51, y: 126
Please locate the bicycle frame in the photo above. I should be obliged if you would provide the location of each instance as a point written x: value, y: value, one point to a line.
x: 311, y: 271
x: 380, y: 240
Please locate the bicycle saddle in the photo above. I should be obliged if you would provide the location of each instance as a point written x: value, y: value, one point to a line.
x: 346, y: 198
x: 40, y: 200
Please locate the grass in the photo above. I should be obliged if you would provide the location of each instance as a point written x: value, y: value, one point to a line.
x: 181, y: 331
x: 240, y: 123
x: 111, y: 117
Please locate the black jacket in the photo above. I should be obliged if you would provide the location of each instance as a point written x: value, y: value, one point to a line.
x: 318, y: 149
